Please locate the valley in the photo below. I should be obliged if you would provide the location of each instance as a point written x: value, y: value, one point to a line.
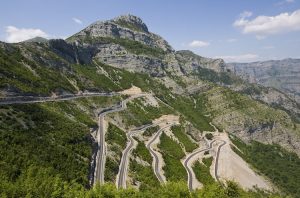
x: 115, y: 111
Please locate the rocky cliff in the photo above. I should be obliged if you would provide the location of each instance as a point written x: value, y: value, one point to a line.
x: 280, y: 74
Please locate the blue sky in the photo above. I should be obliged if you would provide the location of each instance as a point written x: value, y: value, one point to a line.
x: 236, y: 30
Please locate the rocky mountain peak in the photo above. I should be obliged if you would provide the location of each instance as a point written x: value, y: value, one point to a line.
x: 131, y: 22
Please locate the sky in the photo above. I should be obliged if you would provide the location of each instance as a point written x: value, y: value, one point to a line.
x: 235, y: 30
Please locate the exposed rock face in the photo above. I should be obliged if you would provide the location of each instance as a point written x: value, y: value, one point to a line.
x: 128, y: 27
x: 192, y: 62
x: 281, y: 74
x: 133, y: 28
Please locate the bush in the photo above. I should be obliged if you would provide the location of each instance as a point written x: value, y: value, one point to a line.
x: 209, y: 136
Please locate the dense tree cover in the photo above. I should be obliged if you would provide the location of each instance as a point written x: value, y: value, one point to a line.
x: 43, y: 136
x: 281, y: 166
x: 172, y: 154
x: 42, y: 182
x: 15, y: 74
x: 188, y: 144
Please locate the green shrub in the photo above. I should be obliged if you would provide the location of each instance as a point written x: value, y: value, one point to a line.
x: 178, y: 131
x: 172, y: 153
x: 202, y: 171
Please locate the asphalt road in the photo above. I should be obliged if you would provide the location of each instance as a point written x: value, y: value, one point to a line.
x: 188, y: 169
x: 155, y: 157
x: 34, y: 99
x: 121, y: 182
x: 217, y: 160
x: 101, y: 153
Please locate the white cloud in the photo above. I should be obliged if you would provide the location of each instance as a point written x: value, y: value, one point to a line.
x: 240, y: 58
x: 262, y: 26
x: 15, y: 34
x: 76, y: 20
x: 197, y: 43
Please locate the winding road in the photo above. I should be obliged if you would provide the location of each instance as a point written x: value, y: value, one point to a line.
x: 121, y: 177
x: 217, y: 160
x: 101, y: 153
x: 36, y: 99
x: 154, y: 155
x: 189, y: 169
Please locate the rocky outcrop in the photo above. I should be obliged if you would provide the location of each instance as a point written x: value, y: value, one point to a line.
x: 127, y: 27
x: 281, y: 74
x: 191, y: 62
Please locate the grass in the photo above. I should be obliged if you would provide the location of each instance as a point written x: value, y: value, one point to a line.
x: 189, y: 145
x: 202, y: 172
x: 172, y: 153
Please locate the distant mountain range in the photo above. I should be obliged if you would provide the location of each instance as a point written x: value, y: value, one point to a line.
x: 280, y: 74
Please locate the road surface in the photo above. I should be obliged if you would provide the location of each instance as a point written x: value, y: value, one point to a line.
x: 155, y: 157
x: 121, y: 178
x: 217, y: 160
x: 35, y: 99
x: 101, y: 153
x: 189, y: 169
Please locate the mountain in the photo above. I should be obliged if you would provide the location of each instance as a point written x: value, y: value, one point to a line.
x: 283, y: 74
x: 56, y: 95
x: 37, y: 39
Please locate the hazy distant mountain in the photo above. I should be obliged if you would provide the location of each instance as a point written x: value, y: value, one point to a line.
x: 281, y: 74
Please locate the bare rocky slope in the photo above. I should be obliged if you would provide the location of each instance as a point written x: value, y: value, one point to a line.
x: 280, y: 74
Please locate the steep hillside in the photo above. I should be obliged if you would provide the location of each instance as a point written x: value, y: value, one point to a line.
x: 280, y: 74
x: 60, y: 141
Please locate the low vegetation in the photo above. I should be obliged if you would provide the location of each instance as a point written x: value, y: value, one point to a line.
x: 172, y: 154
x: 143, y: 173
x: 116, y: 140
x: 142, y: 152
x: 188, y: 144
x: 138, y: 114
x: 150, y: 131
x: 271, y: 160
x: 202, y: 171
